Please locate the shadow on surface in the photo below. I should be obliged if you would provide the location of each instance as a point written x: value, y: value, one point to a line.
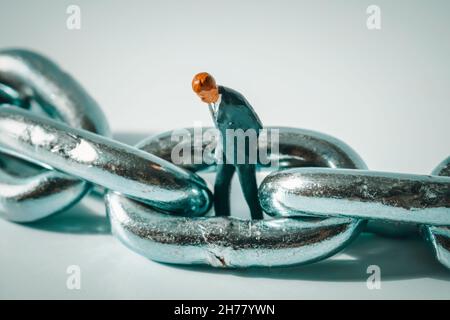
x: 77, y: 220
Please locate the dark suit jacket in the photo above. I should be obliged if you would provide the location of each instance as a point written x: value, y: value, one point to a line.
x: 235, y: 112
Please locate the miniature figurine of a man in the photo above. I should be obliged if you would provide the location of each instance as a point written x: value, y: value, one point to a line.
x: 231, y: 111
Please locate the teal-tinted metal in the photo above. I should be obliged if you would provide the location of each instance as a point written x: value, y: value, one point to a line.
x: 377, y: 196
x: 48, y: 121
x: 102, y: 161
x: 363, y: 194
x: 31, y: 81
x: 231, y: 242
x: 439, y: 236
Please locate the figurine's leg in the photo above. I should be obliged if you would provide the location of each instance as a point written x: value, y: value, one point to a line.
x: 222, y: 187
x: 247, y: 178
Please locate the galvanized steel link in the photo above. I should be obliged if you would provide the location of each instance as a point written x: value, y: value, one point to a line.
x: 231, y: 242
x: 56, y: 143
x: 31, y: 81
x: 439, y: 236
x: 389, y: 197
x: 103, y: 161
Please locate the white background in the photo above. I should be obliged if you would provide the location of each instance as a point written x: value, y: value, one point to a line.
x: 309, y: 64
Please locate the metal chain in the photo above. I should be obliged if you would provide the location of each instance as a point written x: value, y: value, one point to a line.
x: 56, y: 145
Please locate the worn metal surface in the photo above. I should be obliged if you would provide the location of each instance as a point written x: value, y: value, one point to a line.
x: 233, y: 242
x: 31, y: 81
x: 157, y: 208
x: 439, y: 236
x: 296, y: 148
x: 362, y: 194
x: 103, y: 161
x: 226, y: 242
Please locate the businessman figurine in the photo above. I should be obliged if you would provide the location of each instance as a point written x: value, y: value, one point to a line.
x: 231, y: 112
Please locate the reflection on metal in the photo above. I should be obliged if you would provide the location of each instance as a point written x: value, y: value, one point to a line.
x: 360, y: 194
x: 28, y: 79
x: 377, y: 196
x: 232, y: 242
x: 439, y: 236
x: 55, y: 143
x: 103, y: 161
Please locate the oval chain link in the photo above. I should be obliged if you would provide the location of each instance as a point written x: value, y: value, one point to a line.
x: 56, y: 144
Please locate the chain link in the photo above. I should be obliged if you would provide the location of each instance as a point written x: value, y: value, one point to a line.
x: 35, y: 83
x: 56, y: 144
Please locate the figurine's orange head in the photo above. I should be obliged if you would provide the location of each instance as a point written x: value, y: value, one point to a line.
x: 205, y: 87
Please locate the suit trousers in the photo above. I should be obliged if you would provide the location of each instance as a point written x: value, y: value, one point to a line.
x: 247, y: 179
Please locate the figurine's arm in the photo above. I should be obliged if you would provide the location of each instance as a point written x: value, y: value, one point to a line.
x: 213, y: 114
x: 243, y: 117
x: 244, y: 114
x: 254, y: 115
